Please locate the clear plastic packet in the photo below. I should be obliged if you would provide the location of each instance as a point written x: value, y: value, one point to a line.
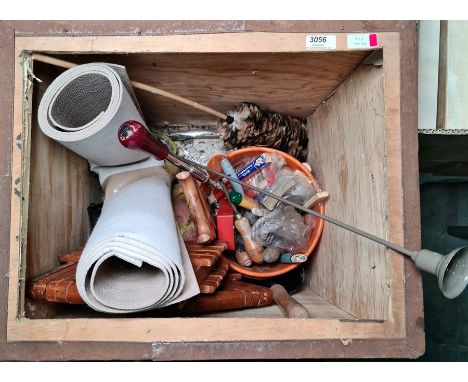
x: 259, y: 171
x: 284, y: 228
x: 285, y: 180
x: 302, y: 191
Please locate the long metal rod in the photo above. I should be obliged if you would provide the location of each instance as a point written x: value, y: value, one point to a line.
x: 348, y: 227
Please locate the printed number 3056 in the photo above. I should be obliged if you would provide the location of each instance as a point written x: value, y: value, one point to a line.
x: 318, y: 39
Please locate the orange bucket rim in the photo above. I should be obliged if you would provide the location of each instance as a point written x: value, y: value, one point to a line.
x: 316, y: 233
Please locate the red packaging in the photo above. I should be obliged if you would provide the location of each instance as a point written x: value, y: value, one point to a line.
x: 225, y: 224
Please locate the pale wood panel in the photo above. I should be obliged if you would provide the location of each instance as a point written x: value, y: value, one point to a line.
x: 290, y: 83
x: 61, y: 188
x: 196, y: 329
x: 347, y: 152
x: 317, y: 306
x: 246, y: 42
x: 394, y: 155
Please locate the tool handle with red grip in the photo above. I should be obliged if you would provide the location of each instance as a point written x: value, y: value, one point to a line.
x: 134, y: 135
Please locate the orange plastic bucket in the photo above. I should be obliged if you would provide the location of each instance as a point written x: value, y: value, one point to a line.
x: 263, y: 271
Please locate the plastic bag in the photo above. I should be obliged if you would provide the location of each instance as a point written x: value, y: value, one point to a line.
x: 259, y: 171
x: 302, y: 191
x: 283, y: 227
x: 285, y: 180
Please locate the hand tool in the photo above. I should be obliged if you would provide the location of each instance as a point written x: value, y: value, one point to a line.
x: 284, y: 285
x: 198, y: 207
x: 271, y: 254
x: 229, y: 170
x: 181, y: 135
x: 253, y: 248
x: 241, y: 256
x: 290, y: 306
x: 243, y: 201
x: 451, y: 269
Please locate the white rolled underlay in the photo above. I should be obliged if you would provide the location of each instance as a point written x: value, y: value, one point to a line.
x: 83, y: 109
x: 134, y: 259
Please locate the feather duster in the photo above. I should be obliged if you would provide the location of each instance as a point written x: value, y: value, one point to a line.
x: 252, y: 126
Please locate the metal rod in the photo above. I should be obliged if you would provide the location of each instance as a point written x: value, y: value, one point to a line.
x: 348, y: 227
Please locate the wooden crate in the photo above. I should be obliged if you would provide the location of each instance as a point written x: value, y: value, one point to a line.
x: 364, y: 300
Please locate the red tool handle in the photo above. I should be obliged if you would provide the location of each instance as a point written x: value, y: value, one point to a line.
x: 133, y: 135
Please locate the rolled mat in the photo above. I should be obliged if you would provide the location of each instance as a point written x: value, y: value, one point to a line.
x: 83, y: 109
x: 134, y: 259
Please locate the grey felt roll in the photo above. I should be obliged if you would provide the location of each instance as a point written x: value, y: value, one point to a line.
x: 134, y: 259
x: 83, y: 109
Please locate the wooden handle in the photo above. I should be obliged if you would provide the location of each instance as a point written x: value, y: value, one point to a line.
x: 253, y: 248
x: 197, y: 207
x: 290, y: 306
x: 243, y: 259
x: 249, y: 203
x: 317, y: 198
x: 138, y: 85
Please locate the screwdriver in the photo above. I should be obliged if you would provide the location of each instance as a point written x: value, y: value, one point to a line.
x: 253, y: 248
x: 133, y: 135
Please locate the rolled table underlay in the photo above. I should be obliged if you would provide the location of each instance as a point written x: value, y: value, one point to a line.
x: 134, y: 259
x: 83, y: 109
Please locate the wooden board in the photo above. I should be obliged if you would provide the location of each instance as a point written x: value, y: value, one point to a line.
x: 215, y: 278
x: 347, y: 153
x: 296, y: 83
x: 205, y: 255
x: 59, y: 284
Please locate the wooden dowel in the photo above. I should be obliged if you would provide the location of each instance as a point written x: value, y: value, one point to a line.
x: 197, y: 208
x: 138, y: 85
x: 291, y: 307
x: 53, y: 61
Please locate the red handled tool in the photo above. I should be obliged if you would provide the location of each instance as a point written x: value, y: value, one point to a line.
x: 133, y: 135
x: 451, y: 269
